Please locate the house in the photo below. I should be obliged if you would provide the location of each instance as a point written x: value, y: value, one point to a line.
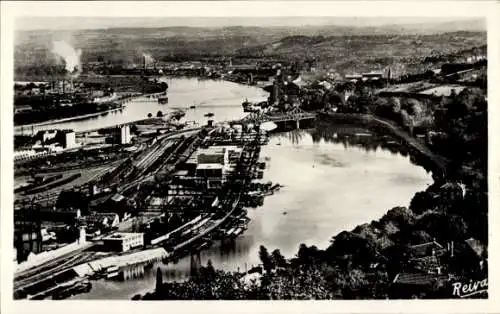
x: 120, y: 205
x: 97, y: 221
x: 427, y: 249
x: 425, y: 258
x: 453, y: 190
x: 353, y: 77
x: 123, y: 242
x: 415, y: 285
x: 372, y: 76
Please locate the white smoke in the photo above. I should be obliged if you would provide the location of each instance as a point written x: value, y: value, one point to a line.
x: 70, y: 55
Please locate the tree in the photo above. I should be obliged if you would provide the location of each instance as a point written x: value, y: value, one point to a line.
x: 421, y: 202
x: 400, y: 216
x: 265, y: 258
x: 210, y: 270
x: 150, y: 115
x: 159, y: 114
x: 279, y: 260
x: 159, y: 279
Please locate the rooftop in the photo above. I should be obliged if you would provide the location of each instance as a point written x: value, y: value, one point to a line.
x: 117, y: 198
x: 121, y: 235
x: 425, y: 249
x: 417, y: 279
x: 96, y: 217
x: 477, y: 246
x: 210, y: 166
x: 212, y: 150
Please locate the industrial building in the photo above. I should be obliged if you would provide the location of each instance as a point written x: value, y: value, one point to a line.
x: 27, y: 233
x: 68, y: 139
x: 204, y: 172
x: 28, y: 154
x: 65, y: 138
x: 121, y: 135
x: 123, y: 242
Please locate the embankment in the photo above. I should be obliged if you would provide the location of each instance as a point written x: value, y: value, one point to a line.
x: 437, y: 164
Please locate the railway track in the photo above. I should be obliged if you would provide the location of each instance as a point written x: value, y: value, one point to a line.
x: 35, y: 274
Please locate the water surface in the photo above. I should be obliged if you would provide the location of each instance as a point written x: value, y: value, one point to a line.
x: 335, y: 179
x: 219, y: 97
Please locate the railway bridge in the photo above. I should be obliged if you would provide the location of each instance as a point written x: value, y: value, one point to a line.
x: 294, y: 115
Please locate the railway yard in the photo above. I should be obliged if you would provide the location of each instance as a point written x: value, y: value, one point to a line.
x: 180, y: 191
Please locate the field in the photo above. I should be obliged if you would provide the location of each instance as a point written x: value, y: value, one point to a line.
x: 344, y: 49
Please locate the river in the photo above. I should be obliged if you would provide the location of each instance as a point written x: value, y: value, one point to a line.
x: 335, y: 178
x: 221, y: 98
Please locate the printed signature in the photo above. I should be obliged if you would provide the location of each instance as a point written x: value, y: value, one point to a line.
x: 471, y: 288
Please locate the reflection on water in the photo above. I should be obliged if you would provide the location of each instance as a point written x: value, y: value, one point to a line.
x: 219, y: 97
x: 335, y: 177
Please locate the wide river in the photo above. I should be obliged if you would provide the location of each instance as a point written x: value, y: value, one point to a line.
x: 221, y: 98
x: 335, y: 177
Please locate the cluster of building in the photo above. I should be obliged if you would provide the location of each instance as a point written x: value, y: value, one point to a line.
x: 207, y: 168
x: 368, y: 77
x: 432, y: 265
x: 40, y: 230
x: 47, y: 142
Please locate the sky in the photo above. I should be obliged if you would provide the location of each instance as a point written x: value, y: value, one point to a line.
x: 72, y: 23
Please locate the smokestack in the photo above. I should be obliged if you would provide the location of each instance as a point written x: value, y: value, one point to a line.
x: 64, y: 86
x: 144, y: 63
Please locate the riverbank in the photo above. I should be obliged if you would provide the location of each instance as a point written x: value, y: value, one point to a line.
x: 439, y: 162
x: 20, y: 129
x: 291, y: 212
x: 370, y: 261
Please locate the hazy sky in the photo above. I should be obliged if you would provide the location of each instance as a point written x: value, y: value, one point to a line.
x: 33, y: 23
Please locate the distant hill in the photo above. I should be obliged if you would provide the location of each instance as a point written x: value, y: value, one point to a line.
x: 334, y: 43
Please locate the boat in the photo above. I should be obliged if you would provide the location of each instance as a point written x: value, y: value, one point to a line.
x: 237, y: 232
x: 209, y: 114
x: 284, y: 213
x: 276, y: 187
x: 163, y: 100
x: 112, y: 272
x: 192, y: 107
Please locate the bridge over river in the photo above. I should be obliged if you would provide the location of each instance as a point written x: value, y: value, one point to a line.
x: 281, y: 118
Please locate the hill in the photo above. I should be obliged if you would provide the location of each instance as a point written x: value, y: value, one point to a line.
x: 349, y: 45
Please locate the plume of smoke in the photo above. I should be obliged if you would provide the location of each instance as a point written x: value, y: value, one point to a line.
x: 70, y: 55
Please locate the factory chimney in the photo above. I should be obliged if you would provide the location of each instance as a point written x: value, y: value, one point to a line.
x: 144, y: 63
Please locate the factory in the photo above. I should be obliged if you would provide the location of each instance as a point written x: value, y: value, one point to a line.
x: 123, y: 242
x: 213, y: 163
x: 121, y: 135
x: 65, y: 138
x: 47, y: 142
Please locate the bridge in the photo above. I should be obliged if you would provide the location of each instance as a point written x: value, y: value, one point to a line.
x: 293, y: 115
